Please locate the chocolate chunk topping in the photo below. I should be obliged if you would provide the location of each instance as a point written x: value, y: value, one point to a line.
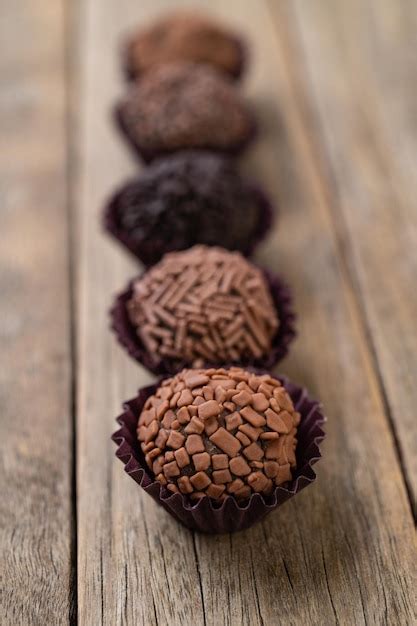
x: 219, y: 451
x: 226, y: 442
x: 220, y: 461
x: 201, y: 461
x: 239, y: 466
x: 211, y: 408
x: 194, y: 444
x: 200, y: 480
x: 222, y: 476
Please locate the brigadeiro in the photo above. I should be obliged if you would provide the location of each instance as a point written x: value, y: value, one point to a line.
x: 205, y: 305
x: 184, y: 199
x: 220, y: 448
x: 216, y: 432
x: 184, y: 36
x: 184, y: 106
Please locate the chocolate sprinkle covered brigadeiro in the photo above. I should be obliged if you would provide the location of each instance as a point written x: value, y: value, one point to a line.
x: 219, y: 432
x: 184, y: 106
x: 184, y: 199
x: 184, y: 36
x: 204, y: 305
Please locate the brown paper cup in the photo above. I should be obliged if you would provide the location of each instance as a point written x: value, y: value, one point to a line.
x: 207, y: 515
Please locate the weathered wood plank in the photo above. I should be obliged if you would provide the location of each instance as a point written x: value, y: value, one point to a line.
x: 361, y: 61
x: 340, y: 553
x: 36, y: 425
x: 135, y: 564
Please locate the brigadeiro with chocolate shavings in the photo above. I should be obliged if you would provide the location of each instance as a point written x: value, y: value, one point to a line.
x: 184, y: 106
x: 184, y: 36
x: 204, y: 306
x: 221, y: 448
x: 188, y: 198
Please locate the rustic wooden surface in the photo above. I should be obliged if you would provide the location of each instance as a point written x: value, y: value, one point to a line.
x: 363, y: 111
x: 333, y: 85
x: 36, y: 517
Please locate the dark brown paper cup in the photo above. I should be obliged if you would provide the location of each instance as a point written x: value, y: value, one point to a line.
x: 207, y: 515
x: 145, y: 252
x: 128, y: 338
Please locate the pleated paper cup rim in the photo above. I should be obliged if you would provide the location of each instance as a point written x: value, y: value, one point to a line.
x: 128, y: 338
x: 267, y: 215
x: 207, y: 515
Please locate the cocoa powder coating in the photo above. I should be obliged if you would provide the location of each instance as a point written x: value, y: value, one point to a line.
x: 185, y: 106
x: 184, y: 36
x: 188, y: 198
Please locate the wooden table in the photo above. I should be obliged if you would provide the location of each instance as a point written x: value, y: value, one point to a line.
x: 334, y: 86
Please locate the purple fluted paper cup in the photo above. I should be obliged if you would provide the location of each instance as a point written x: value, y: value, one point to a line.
x: 128, y: 338
x: 207, y: 515
x: 149, y: 252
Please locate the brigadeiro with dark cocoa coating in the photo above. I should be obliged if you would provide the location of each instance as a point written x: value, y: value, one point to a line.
x: 184, y: 199
x: 184, y: 106
x: 219, y: 448
x: 184, y: 36
x: 201, y: 306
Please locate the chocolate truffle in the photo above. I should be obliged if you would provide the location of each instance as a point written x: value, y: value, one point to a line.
x: 204, y: 305
x: 184, y: 106
x: 184, y: 199
x: 184, y: 36
x: 220, y: 432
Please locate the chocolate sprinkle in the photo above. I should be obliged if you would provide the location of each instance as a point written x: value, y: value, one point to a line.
x: 203, y: 305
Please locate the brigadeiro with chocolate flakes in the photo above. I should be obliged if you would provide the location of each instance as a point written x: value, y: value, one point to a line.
x: 217, y: 432
x: 220, y: 448
x: 184, y: 106
x: 184, y: 36
x: 201, y: 306
x: 184, y: 199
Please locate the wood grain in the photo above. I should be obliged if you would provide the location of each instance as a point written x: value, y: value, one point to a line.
x: 134, y: 565
x: 320, y: 560
x: 360, y: 71
x: 342, y: 551
x: 36, y: 530
x: 334, y: 93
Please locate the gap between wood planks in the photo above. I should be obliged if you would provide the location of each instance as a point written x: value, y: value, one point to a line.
x: 316, y: 156
x: 71, y: 31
